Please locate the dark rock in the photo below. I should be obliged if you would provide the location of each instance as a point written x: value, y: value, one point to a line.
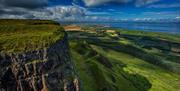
x: 48, y: 69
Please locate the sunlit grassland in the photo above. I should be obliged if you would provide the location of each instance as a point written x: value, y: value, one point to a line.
x: 95, y: 76
x: 160, y: 79
x: 26, y: 35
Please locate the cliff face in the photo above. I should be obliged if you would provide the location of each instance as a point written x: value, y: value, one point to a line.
x: 49, y: 69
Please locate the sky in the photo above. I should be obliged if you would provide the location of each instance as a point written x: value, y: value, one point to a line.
x: 91, y: 10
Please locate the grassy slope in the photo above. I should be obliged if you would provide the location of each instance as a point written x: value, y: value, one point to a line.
x: 96, y: 77
x: 103, y: 64
x: 160, y: 79
x: 26, y: 35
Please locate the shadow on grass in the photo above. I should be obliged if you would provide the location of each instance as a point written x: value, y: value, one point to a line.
x: 150, y: 42
x: 104, y: 74
x: 140, y: 83
x: 134, y: 51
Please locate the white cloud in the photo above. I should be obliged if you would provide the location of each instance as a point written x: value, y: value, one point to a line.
x: 61, y: 13
x: 165, y: 6
x: 140, y: 3
x: 142, y: 19
x: 67, y: 11
x: 162, y: 13
x: 98, y: 13
x: 100, y: 2
x: 58, y: 13
x: 12, y: 17
x: 178, y: 17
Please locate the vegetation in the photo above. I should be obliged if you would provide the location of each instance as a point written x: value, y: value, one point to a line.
x: 126, y: 60
x: 26, y: 35
x: 161, y: 36
x: 115, y: 60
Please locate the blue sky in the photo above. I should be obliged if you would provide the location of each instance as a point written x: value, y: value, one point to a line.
x: 91, y: 10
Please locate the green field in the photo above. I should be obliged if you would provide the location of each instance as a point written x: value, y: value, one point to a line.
x: 19, y: 36
x: 126, y: 60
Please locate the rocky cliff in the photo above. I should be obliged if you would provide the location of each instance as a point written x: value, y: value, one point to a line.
x: 48, y: 69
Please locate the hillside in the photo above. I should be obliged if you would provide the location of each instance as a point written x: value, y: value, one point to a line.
x: 34, y: 56
x: 123, y: 60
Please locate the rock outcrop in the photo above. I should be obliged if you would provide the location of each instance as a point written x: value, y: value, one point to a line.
x: 49, y: 69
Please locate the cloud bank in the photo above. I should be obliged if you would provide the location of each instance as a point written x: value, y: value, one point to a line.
x: 100, y: 2
x: 53, y: 13
x: 137, y: 3
x: 24, y: 3
x: 43, y: 9
x: 38, y: 9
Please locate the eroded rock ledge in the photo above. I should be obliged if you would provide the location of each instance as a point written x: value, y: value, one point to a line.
x: 49, y: 69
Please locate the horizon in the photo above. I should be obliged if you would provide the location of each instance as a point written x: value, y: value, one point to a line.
x: 92, y: 10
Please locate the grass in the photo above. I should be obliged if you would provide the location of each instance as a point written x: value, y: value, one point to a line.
x: 162, y: 36
x: 113, y: 63
x: 96, y: 76
x: 26, y: 35
x: 161, y: 80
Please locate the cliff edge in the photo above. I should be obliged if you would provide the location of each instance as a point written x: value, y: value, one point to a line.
x: 34, y: 56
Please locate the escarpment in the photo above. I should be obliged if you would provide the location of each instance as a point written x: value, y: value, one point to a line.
x: 44, y: 69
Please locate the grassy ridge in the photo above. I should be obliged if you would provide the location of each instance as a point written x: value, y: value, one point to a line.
x: 26, y: 35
